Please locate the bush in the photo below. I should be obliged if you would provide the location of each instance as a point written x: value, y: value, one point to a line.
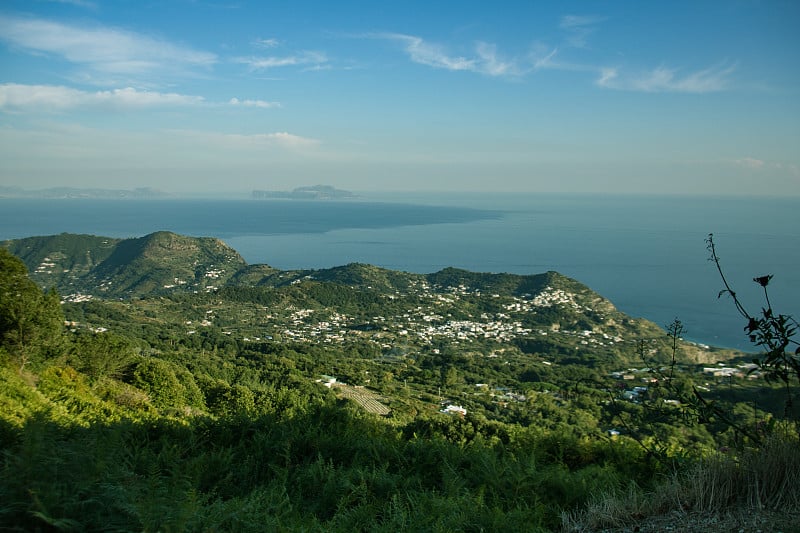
x: 157, y: 378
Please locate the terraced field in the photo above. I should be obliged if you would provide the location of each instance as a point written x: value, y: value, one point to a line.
x: 368, y: 400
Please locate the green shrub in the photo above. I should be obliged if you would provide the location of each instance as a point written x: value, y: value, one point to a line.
x: 157, y: 378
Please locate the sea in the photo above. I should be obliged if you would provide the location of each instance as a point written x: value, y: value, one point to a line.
x: 647, y: 254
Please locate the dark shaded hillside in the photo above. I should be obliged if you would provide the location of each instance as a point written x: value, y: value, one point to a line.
x: 62, y: 261
x: 256, y: 275
x: 361, y: 275
x: 102, y: 266
x: 512, y: 284
x: 165, y: 260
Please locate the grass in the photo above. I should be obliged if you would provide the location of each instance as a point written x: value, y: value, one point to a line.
x: 753, y: 482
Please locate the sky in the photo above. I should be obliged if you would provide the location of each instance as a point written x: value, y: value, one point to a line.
x: 222, y: 96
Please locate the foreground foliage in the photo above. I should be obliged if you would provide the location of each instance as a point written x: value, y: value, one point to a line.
x: 74, y: 461
x: 145, y: 429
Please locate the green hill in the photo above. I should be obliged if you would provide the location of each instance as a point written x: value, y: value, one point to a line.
x: 165, y: 260
x: 62, y: 261
x: 362, y: 275
x: 113, y: 268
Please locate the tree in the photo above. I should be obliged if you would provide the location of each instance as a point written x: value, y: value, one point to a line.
x: 31, y: 321
x: 449, y: 376
x: 157, y: 378
x: 102, y: 354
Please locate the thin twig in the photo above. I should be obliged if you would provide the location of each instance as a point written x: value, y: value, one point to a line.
x: 715, y: 258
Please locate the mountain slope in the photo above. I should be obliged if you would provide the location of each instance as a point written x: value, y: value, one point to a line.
x: 127, y: 267
x: 62, y: 261
x: 165, y: 260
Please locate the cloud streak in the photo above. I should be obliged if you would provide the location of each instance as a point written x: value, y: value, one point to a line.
x: 107, y: 50
x: 485, y: 58
x: 755, y: 164
x: 253, y: 103
x: 18, y: 98
x: 267, y: 43
x: 311, y: 59
x: 428, y: 54
x: 248, y: 142
x: 750, y: 162
x: 663, y: 79
x: 579, y: 28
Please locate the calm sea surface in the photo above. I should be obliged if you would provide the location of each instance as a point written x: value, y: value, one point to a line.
x: 646, y: 254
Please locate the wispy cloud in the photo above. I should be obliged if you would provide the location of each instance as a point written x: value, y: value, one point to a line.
x: 281, y: 139
x: 309, y: 59
x: 579, y: 21
x: 579, y: 28
x: 253, y: 103
x: 429, y: 54
x: 485, y: 58
x: 759, y: 165
x: 492, y: 64
x: 19, y: 98
x: 663, y: 79
x: 267, y: 43
x: 103, y: 49
x: 543, y: 57
x: 750, y: 162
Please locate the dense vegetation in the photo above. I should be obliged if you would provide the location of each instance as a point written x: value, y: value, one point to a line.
x: 204, y: 411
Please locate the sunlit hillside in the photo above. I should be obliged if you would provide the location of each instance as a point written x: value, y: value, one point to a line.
x: 358, y: 398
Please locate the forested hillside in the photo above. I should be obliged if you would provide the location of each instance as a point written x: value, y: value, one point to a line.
x: 85, y: 264
x: 359, y: 399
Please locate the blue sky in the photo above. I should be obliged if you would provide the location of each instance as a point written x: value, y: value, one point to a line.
x: 696, y: 97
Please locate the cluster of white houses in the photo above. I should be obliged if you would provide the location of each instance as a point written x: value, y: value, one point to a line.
x: 427, y: 324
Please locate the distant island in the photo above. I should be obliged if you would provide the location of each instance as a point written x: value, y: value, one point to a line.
x: 75, y: 192
x: 314, y: 192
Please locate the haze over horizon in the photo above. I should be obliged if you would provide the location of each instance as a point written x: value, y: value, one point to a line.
x: 186, y: 96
